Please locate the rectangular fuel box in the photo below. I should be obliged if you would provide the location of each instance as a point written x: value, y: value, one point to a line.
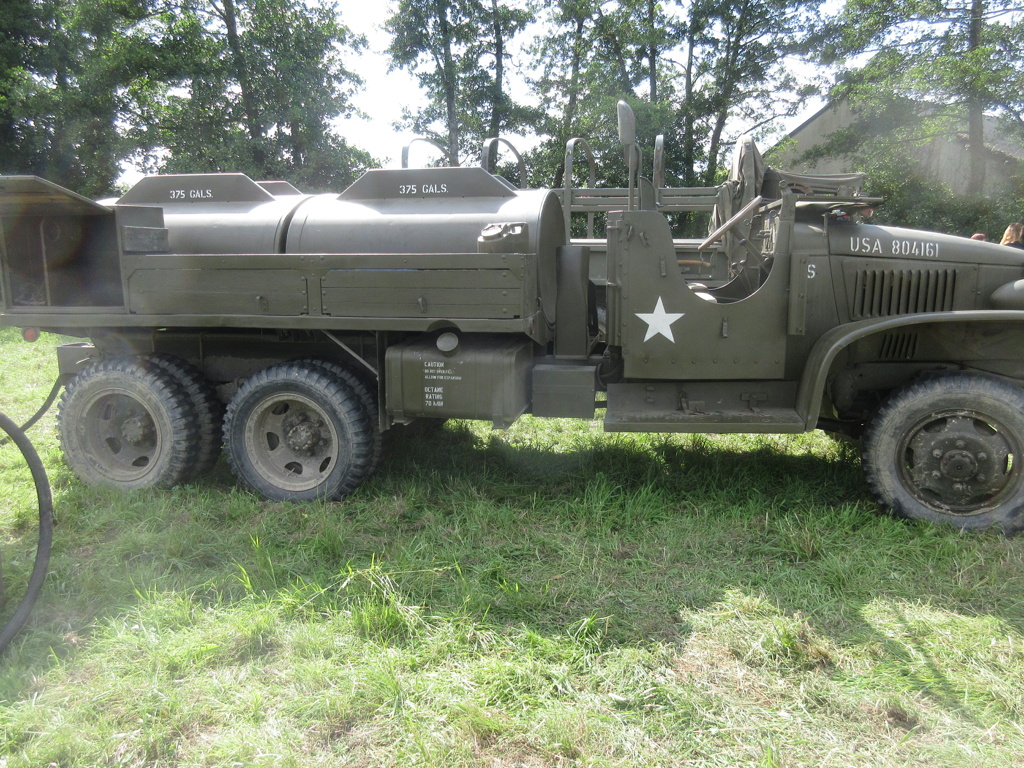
x: 482, y: 377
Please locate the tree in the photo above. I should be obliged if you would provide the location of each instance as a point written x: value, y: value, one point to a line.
x: 18, y: 25
x: 591, y: 55
x: 459, y: 50
x: 739, y: 58
x: 254, y: 87
x: 65, y: 99
x: 690, y: 69
x: 957, y: 58
x: 175, y: 85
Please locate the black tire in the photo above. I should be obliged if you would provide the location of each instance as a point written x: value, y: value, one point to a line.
x: 295, y: 432
x: 207, y: 407
x: 368, y: 399
x: 950, y: 449
x: 126, y: 425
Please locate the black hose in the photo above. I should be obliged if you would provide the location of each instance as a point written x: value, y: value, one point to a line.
x: 35, y: 582
x: 43, y: 409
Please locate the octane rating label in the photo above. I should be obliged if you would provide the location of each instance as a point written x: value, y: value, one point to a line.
x: 433, y: 397
x: 435, y: 374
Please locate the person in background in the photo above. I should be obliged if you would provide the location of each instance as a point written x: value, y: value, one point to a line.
x: 978, y: 236
x: 1013, y: 235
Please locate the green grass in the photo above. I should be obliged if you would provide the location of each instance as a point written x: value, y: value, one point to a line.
x: 546, y: 596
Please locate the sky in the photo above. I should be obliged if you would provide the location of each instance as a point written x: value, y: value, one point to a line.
x: 384, y: 94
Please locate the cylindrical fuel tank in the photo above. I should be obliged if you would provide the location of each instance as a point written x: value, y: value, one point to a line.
x: 419, y: 211
x: 434, y: 210
x: 438, y: 210
x: 219, y: 212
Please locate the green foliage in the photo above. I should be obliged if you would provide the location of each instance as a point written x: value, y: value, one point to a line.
x: 459, y: 51
x: 173, y: 85
x: 253, y: 87
x: 959, y: 58
x: 62, y: 88
x: 886, y: 137
x: 688, y: 71
x: 914, y: 200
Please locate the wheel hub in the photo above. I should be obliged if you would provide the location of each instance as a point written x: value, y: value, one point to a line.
x: 958, y: 464
x: 302, y: 436
x: 137, y: 430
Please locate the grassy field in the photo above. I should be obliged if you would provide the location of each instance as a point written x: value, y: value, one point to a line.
x: 546, y: 596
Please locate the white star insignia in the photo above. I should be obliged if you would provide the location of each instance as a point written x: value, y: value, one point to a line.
x: 659, y: 321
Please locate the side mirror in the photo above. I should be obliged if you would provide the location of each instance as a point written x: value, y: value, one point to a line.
x: 627, y: 124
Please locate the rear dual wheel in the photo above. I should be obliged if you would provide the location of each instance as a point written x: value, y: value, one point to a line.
x: 128, y: 425
x: 297, y: 431
x: 207, y: 408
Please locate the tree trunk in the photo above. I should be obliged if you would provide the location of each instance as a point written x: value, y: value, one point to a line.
x: 575, y: 64
x: 450, y: 80
x: 689, y: 140
x: 498, y: 86
x: 652, y: 51
x: 976, y: 109
x: 253, y: 124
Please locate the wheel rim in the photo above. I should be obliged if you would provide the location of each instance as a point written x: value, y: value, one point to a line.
x: 122, y: 435
x: 291, y: 442
x: 962, y: 462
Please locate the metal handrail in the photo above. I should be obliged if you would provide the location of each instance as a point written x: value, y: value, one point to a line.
x: 405, y: 150
x: 485, y: 157
x: 570, y: 147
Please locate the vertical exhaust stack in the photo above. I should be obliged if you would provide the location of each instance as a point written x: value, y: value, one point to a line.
x: 572, y: 325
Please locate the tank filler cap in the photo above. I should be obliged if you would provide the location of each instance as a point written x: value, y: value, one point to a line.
x: 448, y: 343
x: 502, y: 230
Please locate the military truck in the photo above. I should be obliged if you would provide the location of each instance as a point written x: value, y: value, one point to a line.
x: 293, y: 331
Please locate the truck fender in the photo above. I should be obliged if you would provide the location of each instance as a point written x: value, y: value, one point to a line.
x: 827, y: 348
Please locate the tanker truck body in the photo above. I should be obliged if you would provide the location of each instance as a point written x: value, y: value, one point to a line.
x: 292, y: 331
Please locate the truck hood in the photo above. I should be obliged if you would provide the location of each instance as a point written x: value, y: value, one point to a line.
x: 875, y: 241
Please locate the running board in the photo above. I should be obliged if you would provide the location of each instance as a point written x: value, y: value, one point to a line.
x: 704, y: 406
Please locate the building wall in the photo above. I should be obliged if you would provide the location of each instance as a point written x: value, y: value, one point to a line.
x: 944, y: 158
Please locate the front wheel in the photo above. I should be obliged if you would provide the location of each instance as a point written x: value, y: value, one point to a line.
x: 295, y: 432
x: 950, y: 449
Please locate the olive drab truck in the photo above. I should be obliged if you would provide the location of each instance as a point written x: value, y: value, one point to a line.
x: 292, y: 331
